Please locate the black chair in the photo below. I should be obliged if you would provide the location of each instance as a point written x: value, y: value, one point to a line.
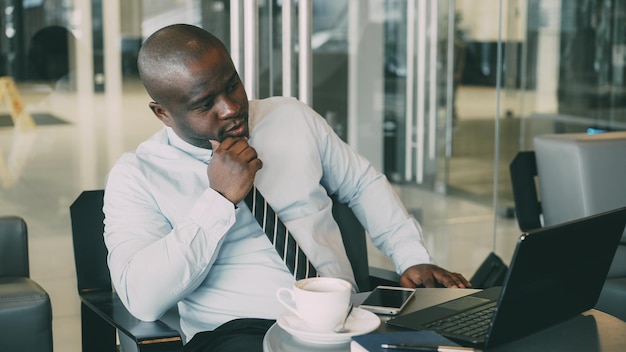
x: 566, y: 159
x: 523, y: 171
x: 25, y: 308
x: 102, y: 312
x: 354, y: 240
x: 491, y: 272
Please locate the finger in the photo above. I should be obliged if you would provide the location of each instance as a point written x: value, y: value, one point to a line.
x: 257, y: 163
x: 454, y: 284
x: 237, y: 146
x: 455, y: 280
x: 406, y: 282
x: 229, y: 143
x: 429, y: 282
x: 459, y: 280
x: 245, y: 151
x: 214, y: 144
x: 451, y: 280
x: 465, y: 282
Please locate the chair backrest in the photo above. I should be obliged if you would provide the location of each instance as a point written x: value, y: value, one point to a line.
x: 90, y: 253
x: 528, y: 209
x: 13, y: 247
x: 353, y: 236
x: 580, y: 174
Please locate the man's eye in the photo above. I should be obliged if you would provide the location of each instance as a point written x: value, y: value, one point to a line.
x: 207, y: 105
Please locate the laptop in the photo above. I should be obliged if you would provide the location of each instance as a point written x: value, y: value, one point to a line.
x: 556, y: 273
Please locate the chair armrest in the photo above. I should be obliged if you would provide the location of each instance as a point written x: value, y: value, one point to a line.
x: 25, y: 316
x: 111, y: 309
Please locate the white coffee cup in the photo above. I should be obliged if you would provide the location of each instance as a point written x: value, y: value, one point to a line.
x: 321, y: 302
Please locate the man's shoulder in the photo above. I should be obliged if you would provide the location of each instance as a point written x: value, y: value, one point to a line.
x: 284, y: 109
x: 156, y: 146
x: 267, y: 106
x: 275, y: 101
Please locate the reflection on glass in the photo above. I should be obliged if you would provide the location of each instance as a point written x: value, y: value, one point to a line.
x: 562, y: 69
x: 24, y: 133
x: 11, y: 168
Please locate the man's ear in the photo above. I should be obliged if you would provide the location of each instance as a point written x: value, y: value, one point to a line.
x: 161, y: 113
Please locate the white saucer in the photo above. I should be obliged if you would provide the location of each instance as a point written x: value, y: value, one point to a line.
x: 359, y: 322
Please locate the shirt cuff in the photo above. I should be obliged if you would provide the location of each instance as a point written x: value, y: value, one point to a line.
x: 213, y: 210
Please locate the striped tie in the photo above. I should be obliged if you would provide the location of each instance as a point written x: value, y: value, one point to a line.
x: 285, y: 244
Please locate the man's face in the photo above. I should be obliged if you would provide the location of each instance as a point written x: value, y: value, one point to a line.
x: 206, y: 102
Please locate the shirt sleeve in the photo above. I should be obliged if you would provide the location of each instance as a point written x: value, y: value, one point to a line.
x: 153, y: 265
x: 354, y: 181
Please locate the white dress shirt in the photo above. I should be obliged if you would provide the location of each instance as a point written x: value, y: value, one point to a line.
x: 174, y: 240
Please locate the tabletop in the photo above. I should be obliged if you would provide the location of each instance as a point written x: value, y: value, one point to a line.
x: 591, y: 331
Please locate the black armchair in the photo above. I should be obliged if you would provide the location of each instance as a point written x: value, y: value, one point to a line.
x: 102, y: 312
x: 570, y: 176
x: 25, y: 308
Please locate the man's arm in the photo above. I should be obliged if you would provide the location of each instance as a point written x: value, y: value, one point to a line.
x: 355, y: 181
x: 153, y: 264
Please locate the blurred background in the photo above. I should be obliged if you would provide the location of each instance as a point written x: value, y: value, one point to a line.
x: 439, y: 95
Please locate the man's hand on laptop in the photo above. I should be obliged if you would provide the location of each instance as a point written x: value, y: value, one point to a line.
x: 429, y: 275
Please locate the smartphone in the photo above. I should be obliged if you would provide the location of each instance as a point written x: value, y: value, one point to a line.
x: 388, y: 300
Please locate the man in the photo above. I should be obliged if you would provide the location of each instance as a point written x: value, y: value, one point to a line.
x: 176, y: 227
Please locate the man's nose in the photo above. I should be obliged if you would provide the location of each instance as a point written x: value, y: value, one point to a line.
x: 227, y: 107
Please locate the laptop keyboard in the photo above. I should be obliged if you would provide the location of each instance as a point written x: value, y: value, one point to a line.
x: 473, y: 323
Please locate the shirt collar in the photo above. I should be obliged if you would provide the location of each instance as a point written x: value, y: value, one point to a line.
x: 201, y: 154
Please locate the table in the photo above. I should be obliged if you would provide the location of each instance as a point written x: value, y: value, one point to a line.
x: 591, y: 331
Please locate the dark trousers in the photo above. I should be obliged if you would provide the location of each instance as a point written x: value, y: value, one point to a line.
x: 237, y: 335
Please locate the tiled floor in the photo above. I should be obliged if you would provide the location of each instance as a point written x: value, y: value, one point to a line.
x: 49, y: 166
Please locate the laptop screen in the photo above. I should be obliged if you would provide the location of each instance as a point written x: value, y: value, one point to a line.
x: 556, y: 273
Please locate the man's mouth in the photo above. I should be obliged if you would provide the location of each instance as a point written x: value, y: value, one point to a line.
x: 238, y: 130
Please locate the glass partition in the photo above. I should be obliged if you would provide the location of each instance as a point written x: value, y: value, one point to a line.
x: 439, y: 95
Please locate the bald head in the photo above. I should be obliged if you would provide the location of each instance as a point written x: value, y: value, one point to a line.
x: 164, y: 56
